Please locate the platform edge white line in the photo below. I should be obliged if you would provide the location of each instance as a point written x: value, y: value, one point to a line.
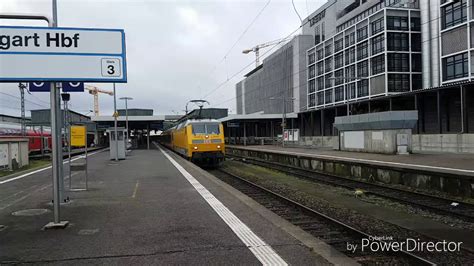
x: 42, y: 169
x: 261, y: 250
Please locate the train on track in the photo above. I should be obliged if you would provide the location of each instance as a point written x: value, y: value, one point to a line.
x: 35, y: 136
x: 198, y: 140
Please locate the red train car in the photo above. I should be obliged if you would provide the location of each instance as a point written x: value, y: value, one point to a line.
x: 36, y: 138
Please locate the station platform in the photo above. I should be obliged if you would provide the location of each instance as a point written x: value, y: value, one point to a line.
x: 455, y: 164
x: 152, y: 208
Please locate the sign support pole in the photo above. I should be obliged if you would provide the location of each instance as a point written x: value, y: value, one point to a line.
x: 56, y: 140
x: 57, y: 160
x: 54, y: 95
x: 115, y: 125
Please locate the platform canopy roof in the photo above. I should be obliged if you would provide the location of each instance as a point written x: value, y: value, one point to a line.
x: 256, y: 116
x: 154, y: 122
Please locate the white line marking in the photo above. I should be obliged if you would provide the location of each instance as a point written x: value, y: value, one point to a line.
x: 365, y: 160
x: 135, y: 190
x: 261, y: 250
x: 45, y: 168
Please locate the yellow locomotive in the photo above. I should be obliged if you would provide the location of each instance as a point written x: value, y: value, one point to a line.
x: 199, y: 140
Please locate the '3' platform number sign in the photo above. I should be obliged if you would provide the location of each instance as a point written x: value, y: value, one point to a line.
x: 111, y: 67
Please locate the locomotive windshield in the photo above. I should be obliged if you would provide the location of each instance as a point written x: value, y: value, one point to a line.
x: 202, y: 129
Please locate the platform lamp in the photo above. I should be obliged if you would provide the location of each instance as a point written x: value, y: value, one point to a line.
x: 126, y: 99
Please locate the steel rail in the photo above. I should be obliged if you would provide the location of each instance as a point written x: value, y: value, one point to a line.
x: 463, y: 211
x: 298, y: 205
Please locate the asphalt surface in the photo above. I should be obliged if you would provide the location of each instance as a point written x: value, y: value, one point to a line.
x: 137, y: 211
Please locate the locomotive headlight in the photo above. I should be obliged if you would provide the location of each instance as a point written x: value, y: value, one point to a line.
x: 195, y: 147
x: 218, y: 146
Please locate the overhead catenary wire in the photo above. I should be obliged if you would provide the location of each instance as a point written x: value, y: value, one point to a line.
x: 252, y: 63
x: 246, y: 92
x: 224, y: 58
x: 296, y: 11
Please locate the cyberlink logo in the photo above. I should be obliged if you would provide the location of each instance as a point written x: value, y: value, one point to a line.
x: 384, y: 244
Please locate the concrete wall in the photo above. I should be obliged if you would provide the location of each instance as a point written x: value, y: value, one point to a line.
x: 447, y: 143
x: 374, y: 141
x: 13, y: 153
x: 456, y: 185
x: 324, y: 142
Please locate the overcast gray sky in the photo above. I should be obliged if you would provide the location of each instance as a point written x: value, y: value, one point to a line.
x: 175, y: 49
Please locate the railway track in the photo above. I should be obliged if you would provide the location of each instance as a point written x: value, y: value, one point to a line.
x: 439, y: 205
x: 333, y: 232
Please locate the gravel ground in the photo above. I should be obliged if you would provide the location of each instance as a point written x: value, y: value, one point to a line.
x: 303, y: 191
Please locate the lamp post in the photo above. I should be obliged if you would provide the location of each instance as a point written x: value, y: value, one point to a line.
x: 126, y: 116
x: 283, y: 117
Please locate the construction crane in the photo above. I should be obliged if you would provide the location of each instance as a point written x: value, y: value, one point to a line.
x: 257, y: 48
x: 95, y: 91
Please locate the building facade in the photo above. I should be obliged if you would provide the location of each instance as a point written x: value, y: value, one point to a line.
x: 281, y: 75
x: 371, y: 56
x: 375, y: 51
x: 380, y: 55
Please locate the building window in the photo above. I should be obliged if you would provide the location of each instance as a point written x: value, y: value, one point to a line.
x: 328, y: 96
x: 398, y: 82
x: 338, y: 60
x: 317, y: 35
x: 363, y: 88
x: 351, y: 91
x: 398, y: 62
x: 378, y: 64
x: 328, y: 81
x: 350, y: 55
x: 312, y: 71
x: 378, y: 44
x: 320, y: 68
x: 416, y: 62
x: 328, y: 49
x: 416, y: 82
x: 339, y: 94
x: 311, y: 58
x: 362, y: 50
x: 454, y: 14
x: 455, y: 66
x: 328, y: 64
x: 339, y: 77
x: 323, y: 36
x: 312, y: 100
x: 320, y: 84
x: 397, y: 41
x: 415, y: 24
x: 416, y: 42
x: 350, y: 39
x: 338, y: 45
x: 377, y: 26
x: 397, y: 23
x: 362, y: 33
x: 363, y: 69
x: 312, y: 86
x: 320, y: 98
x: 350, y: 73
x: 320, y: 53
